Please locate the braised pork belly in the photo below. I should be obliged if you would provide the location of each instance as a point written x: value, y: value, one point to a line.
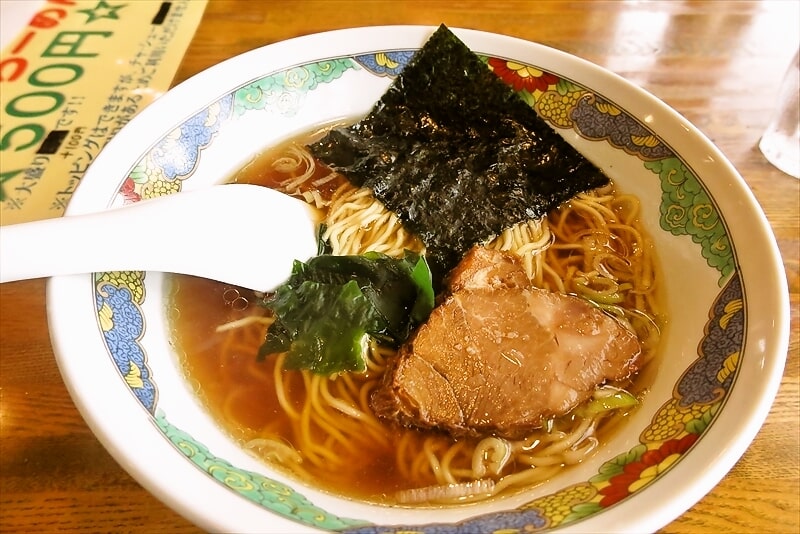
x: 500, y: 357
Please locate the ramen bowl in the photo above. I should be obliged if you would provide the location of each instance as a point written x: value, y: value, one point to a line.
x: 721, y: 353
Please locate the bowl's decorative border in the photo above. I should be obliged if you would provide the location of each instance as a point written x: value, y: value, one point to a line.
x: 686, y: 209
x: 118, y: 297
x: 269, y: 493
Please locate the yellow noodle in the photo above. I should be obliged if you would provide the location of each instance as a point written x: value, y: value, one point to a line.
x: 402, y: 460
x: 281, y: 390
x: 594, y: 240
x: 525, y: 478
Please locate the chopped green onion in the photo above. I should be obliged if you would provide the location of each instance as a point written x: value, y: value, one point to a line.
x: 605, y: 399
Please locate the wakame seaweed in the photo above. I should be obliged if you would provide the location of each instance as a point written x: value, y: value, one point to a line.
x: 332, y: 305
x: 456, y: 154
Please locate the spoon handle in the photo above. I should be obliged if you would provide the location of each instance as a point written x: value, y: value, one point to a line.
x: 242, y: 234
x: 50, y: 247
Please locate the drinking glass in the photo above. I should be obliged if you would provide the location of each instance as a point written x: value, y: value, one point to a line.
x: 780, y: 142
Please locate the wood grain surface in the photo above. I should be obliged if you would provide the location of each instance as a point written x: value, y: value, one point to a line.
x: 716, y: 62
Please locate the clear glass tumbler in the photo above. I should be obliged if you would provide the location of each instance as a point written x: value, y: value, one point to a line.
x: 780, y: 142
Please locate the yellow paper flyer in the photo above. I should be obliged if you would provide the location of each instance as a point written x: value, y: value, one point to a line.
x: 70, y: 79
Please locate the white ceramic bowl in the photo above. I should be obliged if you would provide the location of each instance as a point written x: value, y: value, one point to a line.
x: 724, y: 348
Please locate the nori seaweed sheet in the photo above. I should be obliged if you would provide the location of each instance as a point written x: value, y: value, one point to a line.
x: 456, y: 154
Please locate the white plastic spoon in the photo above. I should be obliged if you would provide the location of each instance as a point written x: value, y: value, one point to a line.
x: 245, y: 235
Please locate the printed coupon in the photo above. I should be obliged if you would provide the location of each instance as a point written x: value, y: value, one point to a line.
x: 73, y: 76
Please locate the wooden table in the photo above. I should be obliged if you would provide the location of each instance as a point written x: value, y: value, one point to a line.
x: 718, y: 63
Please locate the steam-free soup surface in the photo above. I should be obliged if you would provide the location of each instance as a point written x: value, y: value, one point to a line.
x: 322, y: 430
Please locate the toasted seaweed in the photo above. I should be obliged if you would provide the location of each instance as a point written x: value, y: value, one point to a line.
x: 456, y: 154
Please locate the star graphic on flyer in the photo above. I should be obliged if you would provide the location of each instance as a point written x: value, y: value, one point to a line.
x: 103, y: 10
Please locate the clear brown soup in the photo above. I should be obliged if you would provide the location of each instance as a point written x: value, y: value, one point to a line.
x: 239, y: 391
x: 236, y: 389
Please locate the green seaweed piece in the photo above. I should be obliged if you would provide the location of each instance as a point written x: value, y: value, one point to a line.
x: 456, y: 154
x: 330, y: 307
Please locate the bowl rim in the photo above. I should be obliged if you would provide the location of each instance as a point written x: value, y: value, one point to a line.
x: 623, y: 517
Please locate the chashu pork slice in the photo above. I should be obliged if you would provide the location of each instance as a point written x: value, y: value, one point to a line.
x: 500, y: 356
